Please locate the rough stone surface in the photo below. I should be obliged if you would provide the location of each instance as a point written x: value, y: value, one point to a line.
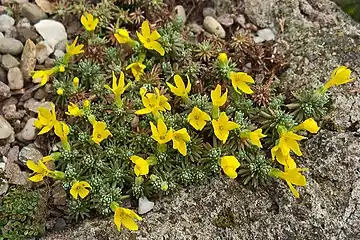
x: 6, y: 22
x: 32, y: 105
x: 213, y: 26
x: 10, y: 46
x: 28, y: 133
x: 226, y: 20
x: 4, y: 91
x: 13, y: 171
x: 43, y: 51
x: 15, y: 78
x: 29, y: 153
x: 8, y: 61
x: 5, y: 128
x: 28, y: 59
x: 209, y: 12
x: 329, y: 204
x: 52, y: 31
x: 32, y: 12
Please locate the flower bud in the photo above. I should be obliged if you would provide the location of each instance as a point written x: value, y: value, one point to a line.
x: 60, y: 91
x: 76, y: 82
x: 223, y: 59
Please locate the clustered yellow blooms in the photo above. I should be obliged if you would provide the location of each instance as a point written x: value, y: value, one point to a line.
x: 154, y: 103
x: 281, y: 152
x: 44, y: 75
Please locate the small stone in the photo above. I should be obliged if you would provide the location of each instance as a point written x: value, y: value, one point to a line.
x: 50, y: 62
x: 4, y: 91
x: 4, y: 186
x: 40, y: 94
x: 15, y: 78
x: 6, y: 22
x: 11, y: 33
x: 61, y: 45
x: 28, y: 93
x: 179, y: 13
x: 241, y: 20
x: 6, y: 130
x: 29, y: 153
x: 28, y: 59
x: 60, y: 224
x: 9, y: 110
x: 9, y: 101
x: 32, y: 12
x: 32, y: 105
x: 52, y: 31
x: 58, y: 54
x: 27, y: 33
x: 10, y: 46
x: 8, y: 61
x: 213, y: 26
x: 266, y: 34
x: 145, y: 205
x: 196, y: 28
x: 4, y: 150
x: 28, y: 133
x: 2, y: 75
x: 43, y: 51
x: 209, y: 12
x: 23, y: 23
x: 59, y: 194
x: 226, y: 20
x: 1, y: 35
x: 258, y: 39
x: 46, y: 6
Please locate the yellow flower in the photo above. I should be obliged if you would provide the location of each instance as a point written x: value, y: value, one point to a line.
x: 288, y: 141
x: 122, y: 36
x: 80, y: 188
x: 141, y: 165
x: 222, y: 58
x: 286, y: 161
x: 73, y: 49
x: 309, y: 125
x: 161, y: 133
x: 60, y: 91
x: 239, y: 80
x: 61, y: 68
x: 118, y: 88
x: 229, y: 164
x: 44, y: 75
x: 125, y: 216
x: 180, y: 90
x: 74, y: 110
x: 223, y: 126
x: 198, y: 118
x: 340, y: 75
x: 46, y: 119
x: 180, y: 138
x: 163, y: 101
x: 100, y: 132
x: 291, y: 176
x: 137, y: 69
x: 40, y: 170
x: 86, y: 104
x: 153, y: 103
x: 149, y: 39
x: 254, y: 137
x: 216, y: 97
x: 76, y: 82
x: 88, y: 21
x: 62, y: 130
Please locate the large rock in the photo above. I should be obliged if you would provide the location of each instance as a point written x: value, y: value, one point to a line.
x: 320, y: 37
x: 52, y: 31
x: 10, y: 46
x: 32, y: 12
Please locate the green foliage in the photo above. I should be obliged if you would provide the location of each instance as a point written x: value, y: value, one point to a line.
x: 22, y: 214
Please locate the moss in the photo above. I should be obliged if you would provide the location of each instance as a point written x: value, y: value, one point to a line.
x: 224, y: 219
